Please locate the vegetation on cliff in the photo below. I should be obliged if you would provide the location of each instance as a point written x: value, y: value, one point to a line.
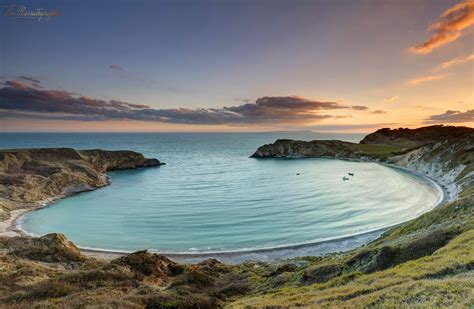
x: 411, y: 138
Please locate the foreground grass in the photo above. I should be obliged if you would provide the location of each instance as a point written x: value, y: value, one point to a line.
x: 443, y: 279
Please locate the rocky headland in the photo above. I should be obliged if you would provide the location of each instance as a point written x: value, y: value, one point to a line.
x: 426, y: 262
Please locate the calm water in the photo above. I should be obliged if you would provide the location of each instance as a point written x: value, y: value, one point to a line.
x: 211, y: 197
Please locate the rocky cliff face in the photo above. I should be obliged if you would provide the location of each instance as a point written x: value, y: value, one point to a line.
x: 450, y: 162
x: 285, y: 148
x: 34, y: 175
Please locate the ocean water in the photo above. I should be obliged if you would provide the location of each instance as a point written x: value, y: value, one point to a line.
x: 211, y: 197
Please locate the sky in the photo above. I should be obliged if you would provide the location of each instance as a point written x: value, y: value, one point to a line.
x: 199, y: 66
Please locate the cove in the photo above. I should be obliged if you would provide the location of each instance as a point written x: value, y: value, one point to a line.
x: 237, y: 206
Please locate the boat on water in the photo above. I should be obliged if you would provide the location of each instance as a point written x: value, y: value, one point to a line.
x: 345, y: 178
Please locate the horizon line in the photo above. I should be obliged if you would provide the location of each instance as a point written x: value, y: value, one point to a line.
x: 174, y: 132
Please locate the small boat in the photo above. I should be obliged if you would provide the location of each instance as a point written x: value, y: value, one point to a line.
x: 345, y: 178
x: 351, y: 174
x: 297, y: 173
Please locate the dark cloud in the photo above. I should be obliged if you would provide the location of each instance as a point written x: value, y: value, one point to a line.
x: 116, y: 67
x: 17, y: 97
x: 359, y: 107
x: 378, y: 112
x: 42, y: 116
x: 391, y: 98
x: 31, y: 79
x: 452, y: 117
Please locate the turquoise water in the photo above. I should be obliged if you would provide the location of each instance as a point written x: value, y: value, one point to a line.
x: 212, y: 197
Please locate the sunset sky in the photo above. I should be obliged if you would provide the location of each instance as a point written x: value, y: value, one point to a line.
x: 338, y: 66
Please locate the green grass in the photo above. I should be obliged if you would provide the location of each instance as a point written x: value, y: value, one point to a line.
x: 378, y: 150
x: 441, y: 279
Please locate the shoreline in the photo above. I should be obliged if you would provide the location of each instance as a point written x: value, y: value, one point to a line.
x: 12, y: 227
x: 261, y: 255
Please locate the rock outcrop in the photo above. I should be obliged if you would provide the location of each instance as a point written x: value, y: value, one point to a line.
x: 149, y: 264
x: 48, y: 248
x: 31, y: 176
x: 286, y: 148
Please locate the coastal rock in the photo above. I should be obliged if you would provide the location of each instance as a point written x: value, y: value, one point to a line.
x: 106, y: 161
x: 285, y: 148
x: 149, y: 264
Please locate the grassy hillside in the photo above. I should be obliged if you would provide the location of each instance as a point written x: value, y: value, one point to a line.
x: 441, y: 279
x: 428, y: 261
x: 378, y: 150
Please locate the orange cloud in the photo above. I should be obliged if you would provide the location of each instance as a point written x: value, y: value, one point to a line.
x: 456, y: 61
x: 427, y: 78
x: 448, y: 27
